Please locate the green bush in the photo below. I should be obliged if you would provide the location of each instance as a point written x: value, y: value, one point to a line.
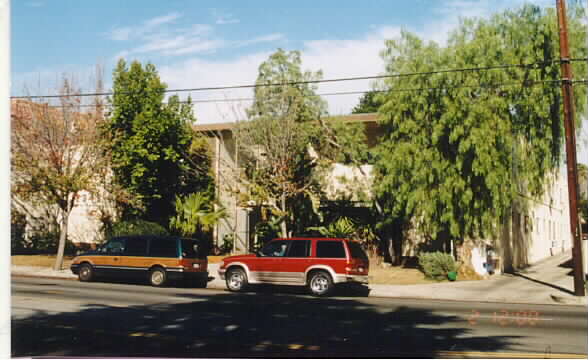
x: 17, y: 233
x: 136, y: 227
x: 436, y: 265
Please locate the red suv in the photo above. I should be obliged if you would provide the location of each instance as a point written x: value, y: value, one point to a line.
x: 318, y: 263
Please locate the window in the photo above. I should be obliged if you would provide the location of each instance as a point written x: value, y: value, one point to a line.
x: 136, y: 247
x: 275, y: 248
x: 299, y: 248
x: 162, y: 247
x: 114, y: 246
x: 330, y: 249
x: 192, y: 249
x: 356, y: 251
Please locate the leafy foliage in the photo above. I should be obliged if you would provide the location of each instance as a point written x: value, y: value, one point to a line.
x: 455, y: 154
x: 136, y: 227
x: 151, y: 142
x: 436, y: 265
x: 56, y: 154
x: 275, y: 139
x: 370, y: 102
x: 195, y: 213
x: 342, y: 228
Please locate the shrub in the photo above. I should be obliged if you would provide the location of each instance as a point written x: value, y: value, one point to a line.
x: 436, y: 265
x: 136, y: 227
x: 17, y: 233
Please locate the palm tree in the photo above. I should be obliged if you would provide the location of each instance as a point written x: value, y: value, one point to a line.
x: 342, y: 228
x: 195, y: 214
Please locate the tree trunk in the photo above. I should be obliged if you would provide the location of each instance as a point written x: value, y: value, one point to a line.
x: 283, y: 224
x: 63, y: 224
x: 391, y: 251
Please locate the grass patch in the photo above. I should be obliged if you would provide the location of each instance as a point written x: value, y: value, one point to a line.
x: 39, y: 260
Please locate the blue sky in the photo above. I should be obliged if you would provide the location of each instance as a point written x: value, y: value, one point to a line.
x: 214, y: 43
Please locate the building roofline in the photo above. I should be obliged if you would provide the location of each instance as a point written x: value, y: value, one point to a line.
x: 227, y: 126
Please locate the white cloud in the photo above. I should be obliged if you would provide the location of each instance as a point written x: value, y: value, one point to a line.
x: 201, y: 73
x: 337, y: 58
x: 224, y: 18
x: 261, y: 39
x: 155, y: 36
x: 147, y: 27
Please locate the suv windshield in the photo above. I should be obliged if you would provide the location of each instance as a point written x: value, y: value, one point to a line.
x: 356, y: 251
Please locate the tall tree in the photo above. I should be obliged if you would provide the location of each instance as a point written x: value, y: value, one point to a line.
x: 456, y: 154
x: 151, y: 142
x: 276, y: 138
x: 56, y: 154
x: 369, y: 102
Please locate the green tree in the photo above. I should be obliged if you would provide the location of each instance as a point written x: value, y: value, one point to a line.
x: 275, y: 139
x: 369, y: 102
x: 195, y: 214
x: 455, y: 154
x: 152, y: 143
x: 342, y: 228
x: 56, y: 155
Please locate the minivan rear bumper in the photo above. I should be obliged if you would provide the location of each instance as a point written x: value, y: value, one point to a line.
x: 187, y: 275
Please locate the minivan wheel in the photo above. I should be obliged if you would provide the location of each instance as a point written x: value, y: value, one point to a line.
x: 320, y: 283
x: 157, y: 276
x: 86, y: 272
x: 236, y: 279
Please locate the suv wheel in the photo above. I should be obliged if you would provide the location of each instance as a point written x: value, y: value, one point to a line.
x: 320, y: 283
x: 236, y: 279
x: 86, y: 272
x: 157, y: 276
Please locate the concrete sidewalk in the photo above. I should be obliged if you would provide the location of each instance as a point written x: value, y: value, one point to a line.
x: 547, y: 282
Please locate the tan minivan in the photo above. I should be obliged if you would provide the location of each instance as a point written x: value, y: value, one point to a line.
x: 158, y: 259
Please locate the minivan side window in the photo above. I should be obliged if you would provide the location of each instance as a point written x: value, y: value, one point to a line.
x: 136, y: 246
x: 162, y: 247
x: 329, y: 249
x: 114, y: 246
x: 299, y: 248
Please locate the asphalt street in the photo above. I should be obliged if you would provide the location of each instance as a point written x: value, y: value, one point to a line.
x: 53, y: 317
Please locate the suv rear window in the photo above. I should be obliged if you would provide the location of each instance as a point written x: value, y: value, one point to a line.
x: 356, y: 251
x: 329, y: 249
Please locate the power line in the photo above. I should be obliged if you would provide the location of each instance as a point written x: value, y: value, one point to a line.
x: 373, y: 77
x: 526, y: 83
